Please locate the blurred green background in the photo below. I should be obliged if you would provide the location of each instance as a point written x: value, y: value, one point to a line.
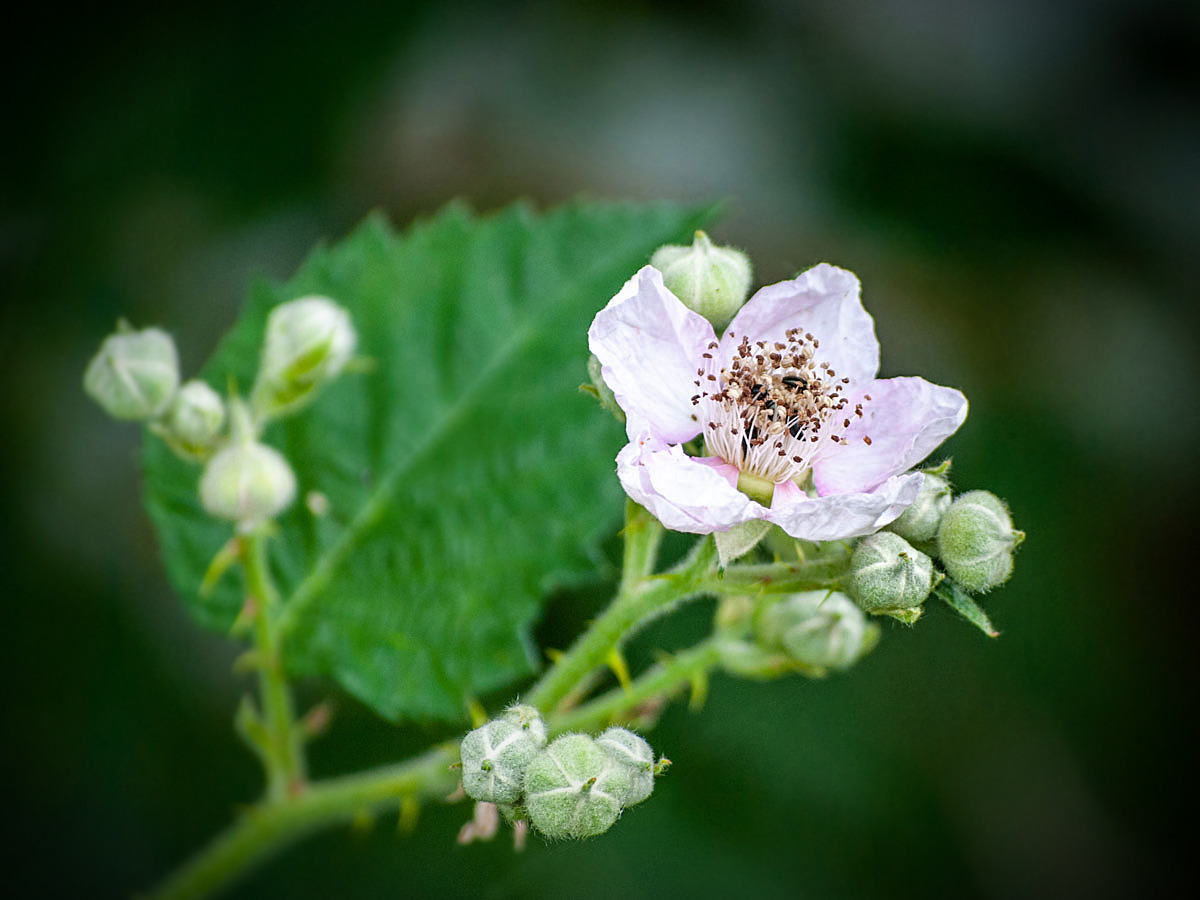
x: 1018, y: 186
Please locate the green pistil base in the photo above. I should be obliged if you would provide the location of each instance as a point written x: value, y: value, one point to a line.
x: 757, y: 489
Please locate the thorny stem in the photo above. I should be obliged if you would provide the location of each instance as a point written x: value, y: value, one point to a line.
x: 268, y: 827
x: 636, y: 603
x: 776, y: 578
x: 283, y: 757
x: 289, y: 812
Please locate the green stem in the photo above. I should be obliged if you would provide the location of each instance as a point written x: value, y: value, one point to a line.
x: 288, y: 814
x: 775, y: 577
x: 268, y: 827
x: 284, y: 761
x: 264, y: 829
x: 634, y: 606
x: 643, y: 533
x: 661, y: 680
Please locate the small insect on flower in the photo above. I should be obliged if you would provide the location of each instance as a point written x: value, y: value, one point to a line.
x: 796, y: 427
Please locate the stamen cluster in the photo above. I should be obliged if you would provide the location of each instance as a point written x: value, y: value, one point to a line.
x: 771, y: 406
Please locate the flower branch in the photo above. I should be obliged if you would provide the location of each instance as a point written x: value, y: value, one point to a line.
x: 283, y: 750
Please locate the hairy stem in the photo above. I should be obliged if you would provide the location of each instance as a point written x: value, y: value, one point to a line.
x: 775, y: 578
x: 643, y: 533
x: 288, y: 813
x: 284, y: 756
x: 661, y: 680
x: 268, y: 827
x: 635, y: 605
x: 264, y: 829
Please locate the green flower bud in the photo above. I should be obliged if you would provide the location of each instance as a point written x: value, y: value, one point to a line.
x: 308, y: 342
x: 747, y: 659
x: 821, y: 629
x: 629, y: 750
x: 573, y: 789
x: 194, y: 420
x: 713, y: 281
x: 529, y: 720
x: 245, y: 481
x: 494, y: 759
x: 919, y: 523
x: 976, y: 541
x: 888, y: 577
x: 135, y: 374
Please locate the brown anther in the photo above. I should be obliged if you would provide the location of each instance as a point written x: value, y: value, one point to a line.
x: 867, y: 439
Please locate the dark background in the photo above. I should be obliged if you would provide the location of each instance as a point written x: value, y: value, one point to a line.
x: 1016, y: 183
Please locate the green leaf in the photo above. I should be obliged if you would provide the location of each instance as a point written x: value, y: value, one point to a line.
x: 465, y: 473
x: 963, y: 604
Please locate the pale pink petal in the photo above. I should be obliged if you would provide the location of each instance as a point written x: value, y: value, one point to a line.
x: 841, y: 515
x: 649, y: 346
x: 697, y: 495
x: 823, y: 302
x: 906, y: 419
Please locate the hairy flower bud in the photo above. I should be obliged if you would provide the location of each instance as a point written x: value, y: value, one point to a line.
x: 630, y: 750
x: 713, y: 281
x: 529, y: 720
x: 820, y: 629
x: 919, y: 523
x: 245, y: 481
x: 976, y: 541
x: 494, y: 759
x: 194, y: 420
x: 888, y: 577
x: 573, y: 789
x: 308, y: 342
x: 135, y: 374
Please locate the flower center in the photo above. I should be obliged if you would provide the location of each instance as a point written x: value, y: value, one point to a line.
x: 772, y: 406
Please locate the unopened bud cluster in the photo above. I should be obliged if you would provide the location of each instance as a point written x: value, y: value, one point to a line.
x: 135, y: 376
x: 573, y: 787
x: 971, y: 537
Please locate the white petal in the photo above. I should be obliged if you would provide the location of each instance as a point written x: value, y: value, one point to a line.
x: 824, y: 302
x: 697, y: 495
x: 906, y: 419
x: 649, y: 346
x: 842, y: 515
